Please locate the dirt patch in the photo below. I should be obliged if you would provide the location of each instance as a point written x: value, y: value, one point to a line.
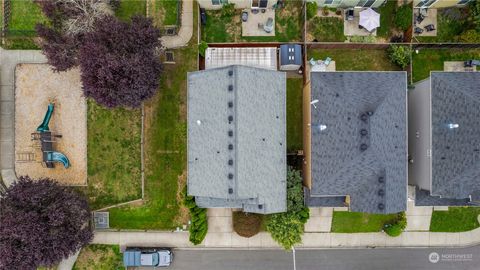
x: 36, y: 85
x: 183, y: 214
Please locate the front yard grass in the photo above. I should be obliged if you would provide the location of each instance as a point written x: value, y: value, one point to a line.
x: 294, y: 114
x: 113, y: 155
x: 99, y: 257
x: 456, y: 219
x: 129, y: 8
x: 432, y: 60
x: 288, y: 26
x: 355, y: 222
x: 356, y: 59
x: 165, y: 151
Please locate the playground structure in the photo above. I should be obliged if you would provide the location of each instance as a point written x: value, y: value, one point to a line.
x: 46, y: 138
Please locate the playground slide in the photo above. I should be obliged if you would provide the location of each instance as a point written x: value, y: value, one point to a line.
x: 58, y: 157
x: 44, y: 125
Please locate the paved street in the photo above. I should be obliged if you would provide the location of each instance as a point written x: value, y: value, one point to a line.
x: 343, y: 259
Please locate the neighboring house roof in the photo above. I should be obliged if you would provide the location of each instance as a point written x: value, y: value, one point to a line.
x: 359, y: 139
x: 455, y: 99
x: 237, y: 138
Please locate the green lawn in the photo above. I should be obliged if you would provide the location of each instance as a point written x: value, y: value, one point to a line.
x: 288, y: 26
x: 432, y: 59
x: 456, y: 219
x: 164, y: 12
x: 356, y: 59
x: 129, y: 8
x: 355, y: 222
x: 113, y: 155
x: 99, y: 257
x: 328, y: 29
x: 165, y: 151
x: 294, y: 114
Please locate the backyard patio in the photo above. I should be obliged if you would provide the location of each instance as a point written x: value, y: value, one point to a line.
x: 352, y: 26
x: 258, y: 23
x: 425, y: 22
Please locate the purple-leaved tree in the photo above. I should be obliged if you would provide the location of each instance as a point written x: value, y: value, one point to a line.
x: 118, y: 61
x: 41, y: 223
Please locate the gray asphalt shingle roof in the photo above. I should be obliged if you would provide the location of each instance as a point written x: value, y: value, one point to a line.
x: 362, y: 152
x: 455, y: 98
x: 237, y: 138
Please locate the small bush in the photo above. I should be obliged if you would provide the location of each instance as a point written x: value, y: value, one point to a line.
x: 312, y: 8
x: 202, y: 47
x: 400, y: 55
x: 395, y: 227
x: 403, y: 17
x: 246, y: 224
x: 325, y: 11
x: 199, y: 225
x: 228, y: 10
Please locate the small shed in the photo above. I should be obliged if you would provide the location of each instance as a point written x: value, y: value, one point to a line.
x: 290, y: 57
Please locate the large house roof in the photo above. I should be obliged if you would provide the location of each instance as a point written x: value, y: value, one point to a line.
x: 359, y: 135
x: 455, y: 100
x: 237, y: 138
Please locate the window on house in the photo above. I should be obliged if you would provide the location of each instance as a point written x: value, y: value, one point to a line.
x: 216, y: 2
x: 426, y: 3
x: 369, y: 3
x: 463, y: 2
x: 328, y: 2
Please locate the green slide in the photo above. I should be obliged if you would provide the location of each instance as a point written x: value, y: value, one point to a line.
x: 44, y: 125
x: 58, y: 157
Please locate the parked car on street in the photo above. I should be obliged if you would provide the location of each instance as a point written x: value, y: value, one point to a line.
x: 145, y: 257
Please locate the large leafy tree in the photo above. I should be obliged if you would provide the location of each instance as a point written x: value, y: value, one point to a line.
x: 41, y: 223
x: 118, y: 61
x: 287, y: 228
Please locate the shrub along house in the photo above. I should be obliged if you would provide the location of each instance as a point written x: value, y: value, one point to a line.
x: 237, y: 139
x: 444, y: 139
x: 356, y: 143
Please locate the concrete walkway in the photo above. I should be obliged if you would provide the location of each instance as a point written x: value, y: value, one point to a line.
x: 67, y: 264
x: 310, y: 240
x: 9, y: 59
x: 186, y: 29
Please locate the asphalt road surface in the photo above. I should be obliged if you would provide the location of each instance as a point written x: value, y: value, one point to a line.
x: 338, y: 259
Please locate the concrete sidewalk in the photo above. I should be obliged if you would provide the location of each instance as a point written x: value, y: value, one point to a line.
x: 186, y: 29
x: 310, y: 240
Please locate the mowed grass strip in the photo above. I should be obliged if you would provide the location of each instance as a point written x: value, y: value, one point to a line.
x: 356, y: 222
x: 356, y: 59
x: 456, y: 219
x: 294, y: 114
x: 99, y: 257
x: 427, y: 60
x: 114, y: 164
